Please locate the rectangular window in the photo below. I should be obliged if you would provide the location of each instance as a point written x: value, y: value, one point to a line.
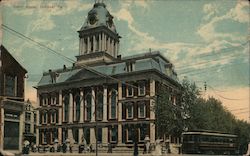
x: 54, y: 135
x: 27, y: 128
x: 75, y: 134
x: 99, y: 135
x: 10, y: 85
x: 27, y: 116
x: 130, y: 91
x: 129, y: 134
x: 64, y: 134
x: 130, y: 111
x: 141, y: 110
x: 44, y: 136
x: 113, y: 135
x: 143, y: 131
x: 141, y: 88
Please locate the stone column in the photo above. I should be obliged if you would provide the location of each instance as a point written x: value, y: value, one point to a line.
x: 152, y: 132
x: 70, y: 136
x: 60, y: 135
x: 119, y: 133
x: 60, y: 108
x: 21, y: 127
x: 80, y: 46
x: 105, y: 135
x: 81, y: 106
x: 80, y: 135
x: 152, y: 102
x: 103, y: 42
x: 100, y: 42
x: 84, y: 46
x: 112, y: 47
x: 74, y: 109
x: 105, y: 105
x: 115, y: 55
x: 119, y: 99
x: 152, y: 113
x: 94, y: 43
x: 119, y: 112
x: 88, y: 45
x: 37, y: 124
x: 117, y: 47
x: 92, y: 136
x: 93, y: 104
x: 108, y: 45
x: 70, y: 107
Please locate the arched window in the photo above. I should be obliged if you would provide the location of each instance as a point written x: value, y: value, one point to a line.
x: 66, y: 108
x: 78, y: 107
x: 113, y: 104
x: 99, y: 106
x: 88, y: 106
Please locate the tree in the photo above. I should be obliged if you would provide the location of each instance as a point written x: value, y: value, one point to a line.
x: 188, y: 104
x: 168, y: 115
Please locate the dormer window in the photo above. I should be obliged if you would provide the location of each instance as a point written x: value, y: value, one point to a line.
x: 130, y: 66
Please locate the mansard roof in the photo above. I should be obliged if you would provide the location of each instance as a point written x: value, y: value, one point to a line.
x: 142, y: 62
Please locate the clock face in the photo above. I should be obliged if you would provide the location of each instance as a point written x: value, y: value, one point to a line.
x: 110, y: 22
x: 92, y: 19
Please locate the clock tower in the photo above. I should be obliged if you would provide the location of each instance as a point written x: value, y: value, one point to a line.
x: 98, y: 39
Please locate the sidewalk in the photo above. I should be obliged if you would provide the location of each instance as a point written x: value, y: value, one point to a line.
x: 92, y: 154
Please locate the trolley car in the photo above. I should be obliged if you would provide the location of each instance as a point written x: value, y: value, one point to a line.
x: 205, y: 142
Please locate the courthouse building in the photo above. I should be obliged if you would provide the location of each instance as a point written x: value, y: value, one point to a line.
x: 102, y: 96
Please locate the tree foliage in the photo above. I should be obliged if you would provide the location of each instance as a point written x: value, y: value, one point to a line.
x: 192, y: 112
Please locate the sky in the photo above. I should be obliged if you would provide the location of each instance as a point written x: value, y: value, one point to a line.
x: 206, y: 40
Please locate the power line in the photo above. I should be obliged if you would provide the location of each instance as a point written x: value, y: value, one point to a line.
x: 208, y: 62
x: 69, y: 59
x: 223, y: 51
x: 226, y: 98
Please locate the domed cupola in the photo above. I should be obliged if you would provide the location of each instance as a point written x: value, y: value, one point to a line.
x: 98, y: 39
x: 99, y: 16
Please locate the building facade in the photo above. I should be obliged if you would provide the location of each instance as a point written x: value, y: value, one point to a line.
x: 103, y: 97
x: 29, y: 126
x: 12, y: 76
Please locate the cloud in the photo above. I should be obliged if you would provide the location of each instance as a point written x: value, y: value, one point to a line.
x: 210, y: 9
x: 207, y: 29
x: 43, y: 22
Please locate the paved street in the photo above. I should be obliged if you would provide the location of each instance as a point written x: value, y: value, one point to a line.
x: 92, y: 154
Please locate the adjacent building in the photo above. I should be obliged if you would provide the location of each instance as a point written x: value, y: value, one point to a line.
x: 12, y: 76
x: 103, y: 96
x: 29, y: 126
